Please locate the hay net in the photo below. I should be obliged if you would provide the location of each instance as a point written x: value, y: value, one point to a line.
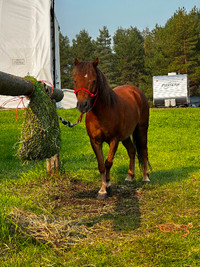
x: 40, y: 136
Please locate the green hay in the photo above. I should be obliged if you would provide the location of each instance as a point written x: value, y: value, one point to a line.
x: 40, y: 136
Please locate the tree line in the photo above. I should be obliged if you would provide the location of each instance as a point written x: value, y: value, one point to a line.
x: 134, y: 57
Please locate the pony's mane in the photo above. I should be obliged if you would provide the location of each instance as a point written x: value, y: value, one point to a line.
x: 106, y: 94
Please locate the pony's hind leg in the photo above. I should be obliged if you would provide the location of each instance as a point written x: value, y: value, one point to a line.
x: 131, y: 152
x: 140, y: 139
x: 145, y: 166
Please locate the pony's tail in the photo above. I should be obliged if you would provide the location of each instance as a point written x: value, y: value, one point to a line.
x: 137, y: 141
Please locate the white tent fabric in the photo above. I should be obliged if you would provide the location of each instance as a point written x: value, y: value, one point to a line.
x: 25, y: 38
x: 69, y: 100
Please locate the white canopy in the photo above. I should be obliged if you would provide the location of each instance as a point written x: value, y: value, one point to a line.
x: 25, y: 42
x: 29, y: 40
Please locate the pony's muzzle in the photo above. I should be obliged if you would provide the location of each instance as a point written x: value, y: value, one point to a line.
x: 83, y: 105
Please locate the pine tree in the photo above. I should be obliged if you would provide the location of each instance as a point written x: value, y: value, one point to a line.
x: 104, y: 52
x: 83, y: 47
x: 66, y: 62
x: 175, y: 48
x: 129, y: 55
x: 195, y: 75
x: 155, y: 46
x: 180, y: 32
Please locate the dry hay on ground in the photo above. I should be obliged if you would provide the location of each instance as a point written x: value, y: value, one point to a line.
x: 78, y: 217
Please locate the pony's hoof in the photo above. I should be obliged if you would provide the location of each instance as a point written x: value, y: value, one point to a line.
x: 130, y: 179
x: 102, y: 196
x: 109, y: 191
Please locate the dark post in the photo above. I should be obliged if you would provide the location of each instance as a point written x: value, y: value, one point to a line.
x: 14, y: 86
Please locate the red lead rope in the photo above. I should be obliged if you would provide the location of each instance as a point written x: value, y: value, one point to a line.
x: 69, y: 124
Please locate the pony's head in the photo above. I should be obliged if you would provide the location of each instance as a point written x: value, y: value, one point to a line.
x: 85, y: 84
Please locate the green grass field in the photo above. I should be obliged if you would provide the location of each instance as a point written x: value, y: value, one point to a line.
x: 57, y: 220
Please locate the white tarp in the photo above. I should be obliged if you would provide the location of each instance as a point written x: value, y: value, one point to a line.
x: 28, y: 45
x: 69, y: 99
x: 57, y: 54
x: 57, y: 58
x: 25, y: 38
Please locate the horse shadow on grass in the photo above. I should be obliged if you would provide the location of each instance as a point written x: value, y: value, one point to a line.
x: 121, y: 208
x: 162, y: 177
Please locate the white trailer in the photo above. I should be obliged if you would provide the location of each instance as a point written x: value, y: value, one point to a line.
x: 29, y: 40
x: 171, y: 90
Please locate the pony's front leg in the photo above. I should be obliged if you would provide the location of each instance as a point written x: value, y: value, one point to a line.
x: 97, y: 147
x: 109, y: 162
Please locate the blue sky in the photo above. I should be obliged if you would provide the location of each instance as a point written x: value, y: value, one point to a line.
x: 92, y: 15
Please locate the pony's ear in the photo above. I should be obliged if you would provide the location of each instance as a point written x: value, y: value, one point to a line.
x: 76, y: 61
x: 95, y: 62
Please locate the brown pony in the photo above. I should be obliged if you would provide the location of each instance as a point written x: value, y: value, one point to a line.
x: 112, y: 116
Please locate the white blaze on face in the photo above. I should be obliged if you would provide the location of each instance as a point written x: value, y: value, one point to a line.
x: 86, y: 75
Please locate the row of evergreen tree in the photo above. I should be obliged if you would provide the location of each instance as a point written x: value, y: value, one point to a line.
x: 134, y: 57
